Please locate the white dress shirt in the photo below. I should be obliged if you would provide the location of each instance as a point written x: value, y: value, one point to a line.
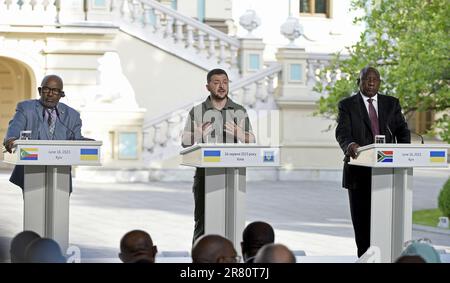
x: 374, y: 102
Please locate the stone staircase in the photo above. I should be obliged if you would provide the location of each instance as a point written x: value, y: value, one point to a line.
x: 178, y: 34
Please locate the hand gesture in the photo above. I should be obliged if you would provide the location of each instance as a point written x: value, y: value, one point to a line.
x: 235, y: 130
x: 203, y: 130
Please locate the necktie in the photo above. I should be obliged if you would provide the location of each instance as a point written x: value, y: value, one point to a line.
x: 373, y: 118
x: 51, y: 122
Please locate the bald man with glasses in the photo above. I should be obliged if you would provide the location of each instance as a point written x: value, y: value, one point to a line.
x: 46, y: 118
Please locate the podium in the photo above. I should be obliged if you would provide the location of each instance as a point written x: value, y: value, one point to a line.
x: 225, y: 180
x: 47, y: 182
x: 392, y: 189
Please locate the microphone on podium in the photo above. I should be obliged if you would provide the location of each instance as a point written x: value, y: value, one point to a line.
x: 421, y: 137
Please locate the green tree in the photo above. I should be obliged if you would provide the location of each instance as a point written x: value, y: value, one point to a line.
x: 408, y: 42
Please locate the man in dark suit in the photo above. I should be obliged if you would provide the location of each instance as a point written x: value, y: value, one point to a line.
x: 362, y: 117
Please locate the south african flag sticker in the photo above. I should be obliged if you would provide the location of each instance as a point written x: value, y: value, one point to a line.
x: 385, y: 156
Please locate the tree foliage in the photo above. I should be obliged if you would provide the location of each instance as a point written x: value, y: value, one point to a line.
x: 408, y: 42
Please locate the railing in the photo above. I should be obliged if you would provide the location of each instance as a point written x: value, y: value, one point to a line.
x: 29, y: 12
x: 149, y: 19
x: 256, y: 88
x: 316, y: 63
x: 168, y: 128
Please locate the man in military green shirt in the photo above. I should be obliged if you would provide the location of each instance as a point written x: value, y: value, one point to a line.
x: 217, y: 120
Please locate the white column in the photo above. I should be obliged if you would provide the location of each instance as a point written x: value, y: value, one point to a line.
x: 169, y: 29
x: 222, y: 55
x: 190, y: 37
x: 212, y: 46
x: 201, y: 44
x: 261, y: 93
x: 179, y: 36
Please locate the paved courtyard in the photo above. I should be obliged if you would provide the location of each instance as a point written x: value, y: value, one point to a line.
x: 307, y: 216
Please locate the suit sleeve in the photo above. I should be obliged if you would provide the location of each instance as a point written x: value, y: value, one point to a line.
x: 343, y: 129
x: 17, y: 124
x: 401, y: 131
x: 77, y: 128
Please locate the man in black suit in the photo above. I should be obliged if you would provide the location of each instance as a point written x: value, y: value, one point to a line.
x: 361, y: 117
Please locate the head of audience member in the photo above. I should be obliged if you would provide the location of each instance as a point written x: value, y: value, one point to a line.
x: 137, y: 247
x: 424, y: 250
x: 214, y: 249
x: 256, y: 235
x: 19, y: 244
x: 274, y: 253
x: 51, y: 91
x: 44, y: 250
x: 217, y: 84
x: 410, y: 259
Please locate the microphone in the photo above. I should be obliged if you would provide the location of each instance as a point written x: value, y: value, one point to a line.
x: 421, y: 137
x: 72, y: 133
x: 390, y: 132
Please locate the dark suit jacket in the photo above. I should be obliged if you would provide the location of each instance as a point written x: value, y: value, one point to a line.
x: 354, y: 126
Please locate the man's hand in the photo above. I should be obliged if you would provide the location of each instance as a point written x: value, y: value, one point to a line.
x: 9, y: 144
x: 352, y: 150
x: 202, y: 130
x: 235, y: 130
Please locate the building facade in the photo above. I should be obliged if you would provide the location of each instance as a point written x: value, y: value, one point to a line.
x: 133, y: 68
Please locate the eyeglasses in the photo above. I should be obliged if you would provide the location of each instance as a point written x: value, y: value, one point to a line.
x: 56, y: 91
x: 422, y: 240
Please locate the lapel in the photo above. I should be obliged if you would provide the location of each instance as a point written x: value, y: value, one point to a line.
x: 59, y: 128
x: 363, y: 111
x: 42, y: 126
x: 382, y: 114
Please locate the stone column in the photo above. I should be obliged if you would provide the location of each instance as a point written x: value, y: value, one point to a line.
x: 309, y: 152
x: 293, y: 77
x: 251, y: 54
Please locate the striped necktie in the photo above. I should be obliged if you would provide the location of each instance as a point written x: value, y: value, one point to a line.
x: 51, y: 121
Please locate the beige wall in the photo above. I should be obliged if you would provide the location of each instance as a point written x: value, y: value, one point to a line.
x: 214, y: 9
x: 218, y: 9
x: 162, y: 82
x: 187, y: 7
x: 306, y: 142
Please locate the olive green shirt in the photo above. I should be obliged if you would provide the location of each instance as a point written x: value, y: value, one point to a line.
x: 205, y: 112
